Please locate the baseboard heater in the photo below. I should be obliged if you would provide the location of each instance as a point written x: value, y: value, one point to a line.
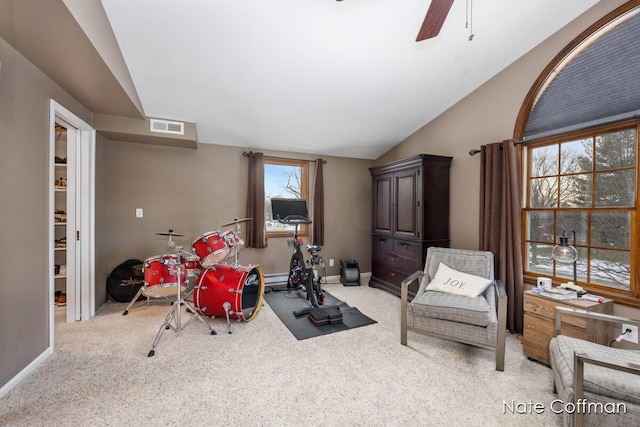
x: 275, y: 279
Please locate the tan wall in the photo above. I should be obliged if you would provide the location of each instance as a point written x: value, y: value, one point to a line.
x: 196, y: 191
x: 487, y: 115
x: 25, y: 215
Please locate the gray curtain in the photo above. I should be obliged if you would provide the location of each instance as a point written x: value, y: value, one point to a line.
x: 500, y: 221
x: 256, y: 235
x: 318, y: 205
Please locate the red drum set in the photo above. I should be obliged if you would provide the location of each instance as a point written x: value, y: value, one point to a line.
x: 219, y: 289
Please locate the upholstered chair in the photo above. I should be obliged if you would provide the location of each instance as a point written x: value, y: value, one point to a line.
x: 602, y: 383
x: 474, y: 320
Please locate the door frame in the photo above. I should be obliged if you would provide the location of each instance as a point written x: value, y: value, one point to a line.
x: 85, y: 212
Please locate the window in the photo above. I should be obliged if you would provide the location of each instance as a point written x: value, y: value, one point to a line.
x: 580, y: 166
x: 585, y: 183
x: 287, y: 179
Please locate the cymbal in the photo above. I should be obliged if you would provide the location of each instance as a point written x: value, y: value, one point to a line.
x: 170, y: 233
x: 236, y: 221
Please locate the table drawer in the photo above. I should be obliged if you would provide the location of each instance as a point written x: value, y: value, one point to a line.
x: 535, y: 343
x: 539, y: 331
x: 545, y: 307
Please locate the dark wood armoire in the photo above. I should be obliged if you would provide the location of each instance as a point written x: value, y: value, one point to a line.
x: 410, y: 213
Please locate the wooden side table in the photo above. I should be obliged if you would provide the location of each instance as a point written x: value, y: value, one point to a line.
x: 540, y: 323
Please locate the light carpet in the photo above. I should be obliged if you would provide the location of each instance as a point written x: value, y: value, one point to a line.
x: 260, y: 375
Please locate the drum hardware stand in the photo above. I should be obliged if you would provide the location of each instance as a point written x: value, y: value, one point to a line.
x: 237, y: 222
x: 227, y: 307
x: 175, y: 310
x: 135, y: 300
x: 180, y: 249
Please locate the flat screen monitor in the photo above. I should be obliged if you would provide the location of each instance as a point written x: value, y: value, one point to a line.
x: 294, y: 208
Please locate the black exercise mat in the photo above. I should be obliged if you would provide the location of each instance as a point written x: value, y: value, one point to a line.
x: 284, y: 302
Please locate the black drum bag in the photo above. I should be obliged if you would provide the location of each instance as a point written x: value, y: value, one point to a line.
x: 125, y: 281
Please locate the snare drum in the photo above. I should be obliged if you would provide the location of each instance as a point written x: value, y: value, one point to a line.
x: 232, y: 239
x: 241, y: 287
x: 211, y: 247
x: 160, y: 276
x: 192, y: 264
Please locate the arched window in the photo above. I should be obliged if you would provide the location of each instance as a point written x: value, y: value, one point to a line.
x: 580, y: 123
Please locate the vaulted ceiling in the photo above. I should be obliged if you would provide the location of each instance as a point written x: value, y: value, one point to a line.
x: 343, y: 78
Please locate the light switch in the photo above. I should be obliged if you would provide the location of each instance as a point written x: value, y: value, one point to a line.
x: 139, y: 213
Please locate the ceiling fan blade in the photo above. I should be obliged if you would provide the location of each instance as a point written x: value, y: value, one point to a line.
x: 437, y: 13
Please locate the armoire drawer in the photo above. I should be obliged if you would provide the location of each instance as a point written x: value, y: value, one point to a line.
x: 404, y: 264
x: 388, y: 275
x: 381, y: 244
x: 407, y: 249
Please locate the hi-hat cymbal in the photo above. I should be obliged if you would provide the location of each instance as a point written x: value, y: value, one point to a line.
x: 170, y: 233
x: 236, y: 221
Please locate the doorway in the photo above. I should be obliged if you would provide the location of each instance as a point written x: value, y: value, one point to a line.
x: 72, y: 200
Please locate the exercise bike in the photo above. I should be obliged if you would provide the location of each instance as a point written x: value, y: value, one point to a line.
x: 303, y: 274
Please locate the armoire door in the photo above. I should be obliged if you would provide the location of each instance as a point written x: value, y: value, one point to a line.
x: 382, y: 202
x: 407, y: 204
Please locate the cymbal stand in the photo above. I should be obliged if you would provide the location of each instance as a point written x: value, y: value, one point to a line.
x: 174, y: 313
x: 181, y: 251
x: 236, y: 263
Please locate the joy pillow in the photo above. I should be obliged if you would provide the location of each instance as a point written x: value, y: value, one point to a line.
x: 456, y: 282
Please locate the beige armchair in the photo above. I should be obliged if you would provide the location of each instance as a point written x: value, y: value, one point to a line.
x: 478, y: 321
x: 596, y: 385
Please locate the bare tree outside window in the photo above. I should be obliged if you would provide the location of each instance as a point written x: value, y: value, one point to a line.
x: 286, y: 179
x: 586, y: 185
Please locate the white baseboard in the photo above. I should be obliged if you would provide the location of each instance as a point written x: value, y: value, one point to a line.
x: 26, y: 371
x: 364, y: 279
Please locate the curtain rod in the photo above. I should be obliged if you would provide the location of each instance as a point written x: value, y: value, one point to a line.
x: 475, y: 151
x: 246, y: 154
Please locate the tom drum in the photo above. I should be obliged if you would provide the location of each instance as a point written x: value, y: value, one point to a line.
x: 211, y: 247
x: 161, y: 278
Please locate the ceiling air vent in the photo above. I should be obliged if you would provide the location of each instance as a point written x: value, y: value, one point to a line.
x: 165, y: 126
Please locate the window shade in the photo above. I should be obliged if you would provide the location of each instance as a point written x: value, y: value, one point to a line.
x: 600, y: 85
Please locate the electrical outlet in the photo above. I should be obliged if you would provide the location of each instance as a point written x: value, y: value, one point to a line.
x: 139, y: 213
x: 633, y: 336
x: 331, y: 262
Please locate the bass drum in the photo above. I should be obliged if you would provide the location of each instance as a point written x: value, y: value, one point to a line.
x: 241, y: 288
